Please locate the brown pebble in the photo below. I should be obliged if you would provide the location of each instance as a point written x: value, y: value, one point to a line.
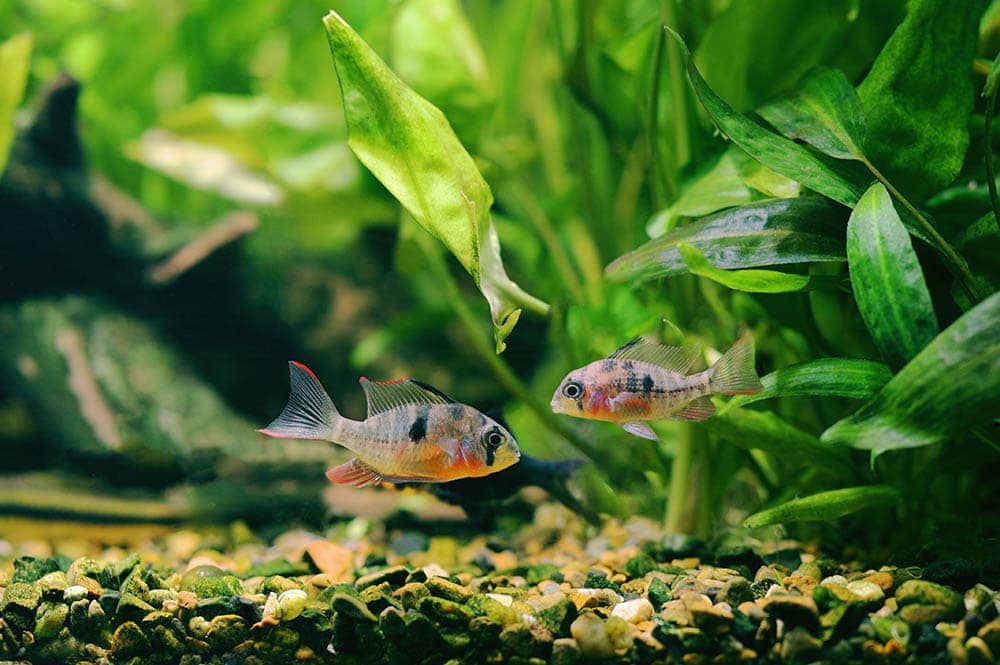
x: 334, y: 560
x: 883, y: 579
x: 187, y: 600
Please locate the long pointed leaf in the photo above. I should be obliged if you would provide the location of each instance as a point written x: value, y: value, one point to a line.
x: 407, y: 143
x: 771, y: 232
x: 825, y: 113
x: 887, y: 280
x: 828, y: 377
x: 15, y: 56
x: 776, y: 152
x: 950, y: 386
x: 826, y: 506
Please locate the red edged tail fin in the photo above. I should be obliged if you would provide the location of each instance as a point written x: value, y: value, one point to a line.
x: 734, y: 373
x: 309, y: 413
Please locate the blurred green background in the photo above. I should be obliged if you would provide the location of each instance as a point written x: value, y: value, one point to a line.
x: 581, y: 118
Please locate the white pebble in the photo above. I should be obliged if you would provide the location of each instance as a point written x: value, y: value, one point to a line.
x: 835, y: 579
x: 501, y: 598
x: 634, y: 611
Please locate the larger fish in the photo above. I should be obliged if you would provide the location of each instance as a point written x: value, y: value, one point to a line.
x: 413, y: 432
x: 642, y: 381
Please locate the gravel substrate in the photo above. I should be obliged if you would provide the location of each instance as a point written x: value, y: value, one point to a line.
x: 554, y: 591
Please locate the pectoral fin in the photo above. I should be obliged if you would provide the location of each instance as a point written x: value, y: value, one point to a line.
x: 641, y: 429
x: 700, y: 409
x: 355, y: 473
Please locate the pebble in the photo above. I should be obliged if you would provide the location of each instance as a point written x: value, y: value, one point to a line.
x: 592, y: 637
x: 634, y: 611
x: 331, y: 559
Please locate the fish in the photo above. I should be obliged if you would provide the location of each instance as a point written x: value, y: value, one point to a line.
x: 413, y: 432
x: 642, y: 381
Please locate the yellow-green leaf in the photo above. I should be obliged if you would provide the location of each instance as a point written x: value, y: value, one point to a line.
x: 826, y: 506
x: 407, y: 143
x: 15, y: 56
x: 753, y: 281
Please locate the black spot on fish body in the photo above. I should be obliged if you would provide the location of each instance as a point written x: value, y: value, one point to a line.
x: 629, y: 364
x: 418, y: 430
x: 608, y: 364
x: 647, y: 385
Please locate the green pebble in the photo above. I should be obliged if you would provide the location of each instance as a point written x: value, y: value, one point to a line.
x: 129, y: 641
x: 735, y: 592
x: 350, y: 606
x: 638, y: 566
x: 456, y: 639
x: 278, y: 584
x: 446, y: 611
x: 53, y: 584
x: 50, y: 619
x: 484, y: 631
x: 518, y: 639
x: 84, y: 567
x: 131, y: 606
x: 32, y: 569
x: 565, y: 651
x: 395, y: 576
x: 376, y: 600
x: 484, y: 605
x: 210, y: 581
x: 595, y: 581
x: 392, y: 623
x: 891, y: 628
x: 658, y: 592
x: 226, y: 631
x: 18, y: 605
x: 919, y: 592
x: 442, y: 588
x: 543, y: 571
x: 811, y: 570
x: 410, y: 594
x: 555, y: 612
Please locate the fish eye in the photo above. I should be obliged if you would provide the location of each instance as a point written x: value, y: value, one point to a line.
x: 573, y: 389
x: 494, y: 438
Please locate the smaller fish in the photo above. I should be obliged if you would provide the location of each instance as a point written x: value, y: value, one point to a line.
x: 413, y: 432
x: 643, y: 381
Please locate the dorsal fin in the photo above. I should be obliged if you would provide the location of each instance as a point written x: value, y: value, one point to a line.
x: 385, y: 395
x: 676, y: 358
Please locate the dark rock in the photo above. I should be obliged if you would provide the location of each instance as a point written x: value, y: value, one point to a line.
x: 50, y: 618
x: 677, y: 546
x: 484, y: 632
x: 601, y: 581
x: 410, y: 594
x: 555, y: 612
x: 543, y: 571
x: 793, y: 610
x: 798, y: 646
x: 352, y: 607
x: 738, y: 555
x: 789, y: 557
x: 226, y: 631
x: 736, y: 591
x: 565, y: 651
x: 395, y: 576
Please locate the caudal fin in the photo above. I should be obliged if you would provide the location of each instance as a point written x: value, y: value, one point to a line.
x: 309, y: 413
x: 734, y: 373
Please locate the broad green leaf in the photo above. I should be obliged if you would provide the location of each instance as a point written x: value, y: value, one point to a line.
x: 753, y: 281
x: 407, y: 143
x: 825, y: 113
x: 887, y: 280
x: 829, y: 377
x: 719, y: 187
x: 757, y: 49
x: 15, y: 56
x: 826, y: 506
x: 763, y: 233
x: 763, y: 430
x: 776, y: 152
x: 918, y: 96
x: 436, y: 52
x: 953, y: 384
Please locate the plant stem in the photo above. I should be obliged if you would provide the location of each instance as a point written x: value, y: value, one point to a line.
x: 678, y: 520
x: 504, y: 375
x: 956, y: 264
x: 991, y: 179
x: 657, y: 176
x: 682, y: 145
x: 543, y: 225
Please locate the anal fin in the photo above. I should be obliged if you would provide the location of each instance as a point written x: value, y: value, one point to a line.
x: 699, y: 409
x: 641, y: 429
x: 354, y: 472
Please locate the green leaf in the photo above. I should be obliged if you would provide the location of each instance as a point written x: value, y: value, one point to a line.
x: 825, y: 113
x: 826, y: 506
x: 950, y: 386
x: 769, y: 232
x: 763, y: 430
x: 719, y: 187
x: 753, y: 281
x: 829, y: 377
x: 918, y: 96
x: 407, y: 143
x: 756, y: 49
x: 887, y: 280
x: 776, y: 152
x: 15, y: 56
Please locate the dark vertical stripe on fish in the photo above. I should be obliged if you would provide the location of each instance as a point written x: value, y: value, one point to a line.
x: 418, y: 430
